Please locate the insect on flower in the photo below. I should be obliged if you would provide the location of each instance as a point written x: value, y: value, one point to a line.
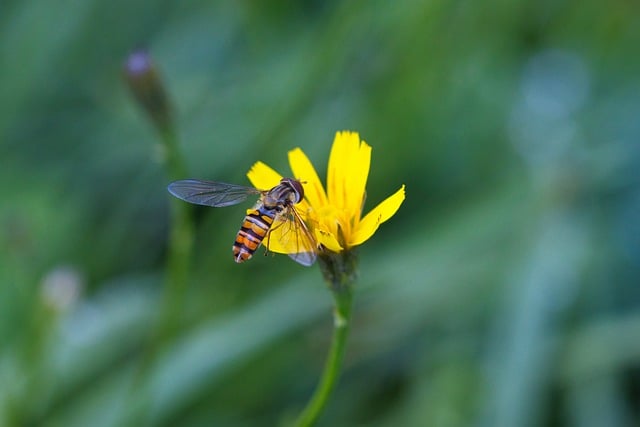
x: 273, y: 217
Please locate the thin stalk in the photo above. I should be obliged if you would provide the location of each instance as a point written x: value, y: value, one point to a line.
x: 180, y: 243
x: 339, y: 271
x: 176, y: 277
x: 333, y: 365
x: 148, y: 90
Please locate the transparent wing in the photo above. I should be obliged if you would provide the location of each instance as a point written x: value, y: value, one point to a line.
x: 210, y: 193
x: 290, y: 235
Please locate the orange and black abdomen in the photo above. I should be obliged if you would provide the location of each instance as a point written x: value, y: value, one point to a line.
x: 254, y: 229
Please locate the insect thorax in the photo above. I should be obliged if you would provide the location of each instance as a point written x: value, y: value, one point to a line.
x: 281, y: 196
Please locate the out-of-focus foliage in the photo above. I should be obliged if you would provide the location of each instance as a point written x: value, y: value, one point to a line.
x: 505, y: 292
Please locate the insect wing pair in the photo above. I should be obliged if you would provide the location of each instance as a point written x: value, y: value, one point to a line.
x: 273, y: 220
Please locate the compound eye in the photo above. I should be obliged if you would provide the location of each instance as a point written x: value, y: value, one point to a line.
x: 297, y: 188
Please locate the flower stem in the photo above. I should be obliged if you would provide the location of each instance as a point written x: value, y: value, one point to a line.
x: 339, y: 270
x: 180, y: 243
x: 148, y: 90
x: 315, y: 407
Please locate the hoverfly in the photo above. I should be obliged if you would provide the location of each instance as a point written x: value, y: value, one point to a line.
x: 274, y: 216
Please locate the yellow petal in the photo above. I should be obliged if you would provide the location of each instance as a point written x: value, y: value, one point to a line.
x: 344, y: 145
x: 289, y: 235
x: 326, y: 219
x: 348, y: 171
x: 356, y: 179
x: 304, y: 171
x: 272, y: 243
x: 377, y: 216
x: 328, y: 240
x: 263, y: 177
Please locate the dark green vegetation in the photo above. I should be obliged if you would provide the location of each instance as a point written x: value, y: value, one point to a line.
x: 505, y: 292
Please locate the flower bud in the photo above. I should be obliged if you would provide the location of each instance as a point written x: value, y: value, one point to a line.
x: 146, y: 86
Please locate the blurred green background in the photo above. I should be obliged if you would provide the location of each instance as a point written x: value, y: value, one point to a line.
x: 505, y: 292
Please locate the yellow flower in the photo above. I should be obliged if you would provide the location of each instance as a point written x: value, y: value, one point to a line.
x: 335, y: 216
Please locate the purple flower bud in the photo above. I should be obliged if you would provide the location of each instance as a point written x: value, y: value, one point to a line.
x: 147, y: 88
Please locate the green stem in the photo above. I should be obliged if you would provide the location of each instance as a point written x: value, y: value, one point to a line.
x: 148, y: 90
x: 339, y: 271
x: 180, y: 242
x: 333, y: 365
x: 175, y: 282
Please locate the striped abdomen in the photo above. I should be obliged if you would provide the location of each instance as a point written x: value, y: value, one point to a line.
x: 254, y: 228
